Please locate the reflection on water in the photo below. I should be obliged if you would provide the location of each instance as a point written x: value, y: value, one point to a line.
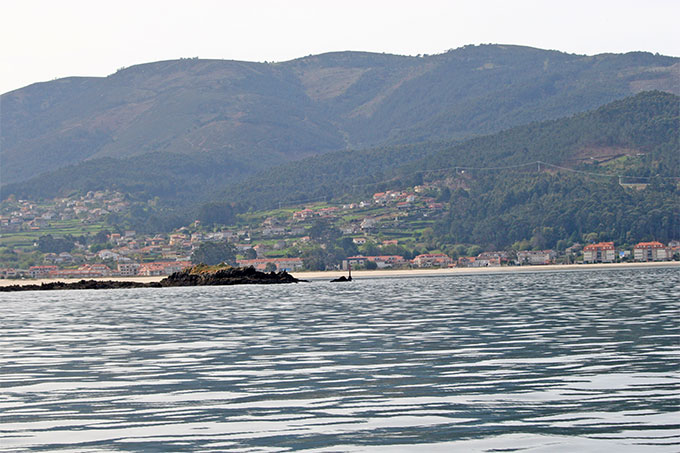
x: 566, y: 361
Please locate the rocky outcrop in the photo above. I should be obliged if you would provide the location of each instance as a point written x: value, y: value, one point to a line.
x: 82, y: 284
x: 194, y: 276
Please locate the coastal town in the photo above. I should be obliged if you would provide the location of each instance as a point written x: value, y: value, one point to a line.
x: 70, y: 238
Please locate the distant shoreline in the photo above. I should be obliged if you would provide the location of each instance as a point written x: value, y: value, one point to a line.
x: 387, y: 273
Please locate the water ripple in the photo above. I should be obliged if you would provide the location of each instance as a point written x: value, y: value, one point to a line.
x: 564, y: 361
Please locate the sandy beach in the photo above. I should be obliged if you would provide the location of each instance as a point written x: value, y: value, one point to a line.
x: 388, y: 273
x: 479, y: 270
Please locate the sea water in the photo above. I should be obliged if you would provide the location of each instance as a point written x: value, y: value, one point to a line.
x: 537, y: 361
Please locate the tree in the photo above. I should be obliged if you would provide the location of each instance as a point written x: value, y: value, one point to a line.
x: 428, y: 235
x: 348, y: 246
x: 474, y: 250
x: 212, y: 253
x: 324, y: 232
x: 270, y: 267
x: 313, y: 259
x: 396, y: 250
x: 101, y: 237
x: 370, y: 248
x: 319, y: 259
x: 444, y: 195
x: 94, y: 248
x: 590, y: 238
x: 216, y: 213
x: 459, y: 250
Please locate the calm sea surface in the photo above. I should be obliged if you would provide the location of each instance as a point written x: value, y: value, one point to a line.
x: 545, y: 361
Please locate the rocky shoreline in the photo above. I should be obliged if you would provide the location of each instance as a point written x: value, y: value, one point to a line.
x: 194, y: 276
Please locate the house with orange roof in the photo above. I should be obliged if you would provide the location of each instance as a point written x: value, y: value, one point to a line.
x: 465, y: 261
x: 379, y: 197
x: 432, y: 260
x: 9, y: 273
x: 303, y: 215
x: 282, y: 264
x: 102, y: 269
x: 41, y: 271
x: 162, y: 268
x: 84, y: 271
x: 328, y: 212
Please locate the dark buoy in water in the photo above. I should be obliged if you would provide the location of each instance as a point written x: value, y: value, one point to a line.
x: 343, y: 278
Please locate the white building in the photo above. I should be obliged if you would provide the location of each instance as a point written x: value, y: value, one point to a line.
x: 128, y: 269
x: 602, y: 252
x: 536, y: 257
x: 651, y: 251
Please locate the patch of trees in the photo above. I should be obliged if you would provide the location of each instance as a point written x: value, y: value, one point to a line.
x: 216, y: 213
x: 50, y: 244
x: 150, y: 218
x: 541, y: 210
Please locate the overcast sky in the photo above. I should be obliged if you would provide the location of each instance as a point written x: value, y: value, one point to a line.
x: 47, y: 39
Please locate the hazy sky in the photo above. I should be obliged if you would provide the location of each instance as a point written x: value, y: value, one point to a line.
x: 46, y: 39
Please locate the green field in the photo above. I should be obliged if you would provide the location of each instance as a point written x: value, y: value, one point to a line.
x: 25, y: 239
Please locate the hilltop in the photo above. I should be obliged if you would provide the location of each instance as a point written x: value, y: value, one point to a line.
x: 220, y: 121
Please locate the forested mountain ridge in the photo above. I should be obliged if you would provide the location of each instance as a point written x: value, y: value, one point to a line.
x: 263, y: 114
x: 636, y: 136
x: 611, y: 174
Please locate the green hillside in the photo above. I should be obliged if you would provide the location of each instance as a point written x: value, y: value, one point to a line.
x: 172, y: 177
x: 637, y: 136
x: 552, y: 210
x: 264, y: 114
x: 609, y: 174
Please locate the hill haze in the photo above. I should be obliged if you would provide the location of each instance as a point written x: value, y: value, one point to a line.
x: 637, y: 136
x: 231, y: 118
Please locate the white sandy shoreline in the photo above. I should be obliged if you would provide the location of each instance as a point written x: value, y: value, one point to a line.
x: 328, y: 275
x: 480, y: 270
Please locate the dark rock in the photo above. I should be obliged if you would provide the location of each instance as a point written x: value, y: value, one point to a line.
x: 229, y: 276
x: 226, y: 276
x: 82, y: 284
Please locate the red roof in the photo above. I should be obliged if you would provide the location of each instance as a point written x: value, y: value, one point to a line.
x: 599, y: 246
x: 649, y: 245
